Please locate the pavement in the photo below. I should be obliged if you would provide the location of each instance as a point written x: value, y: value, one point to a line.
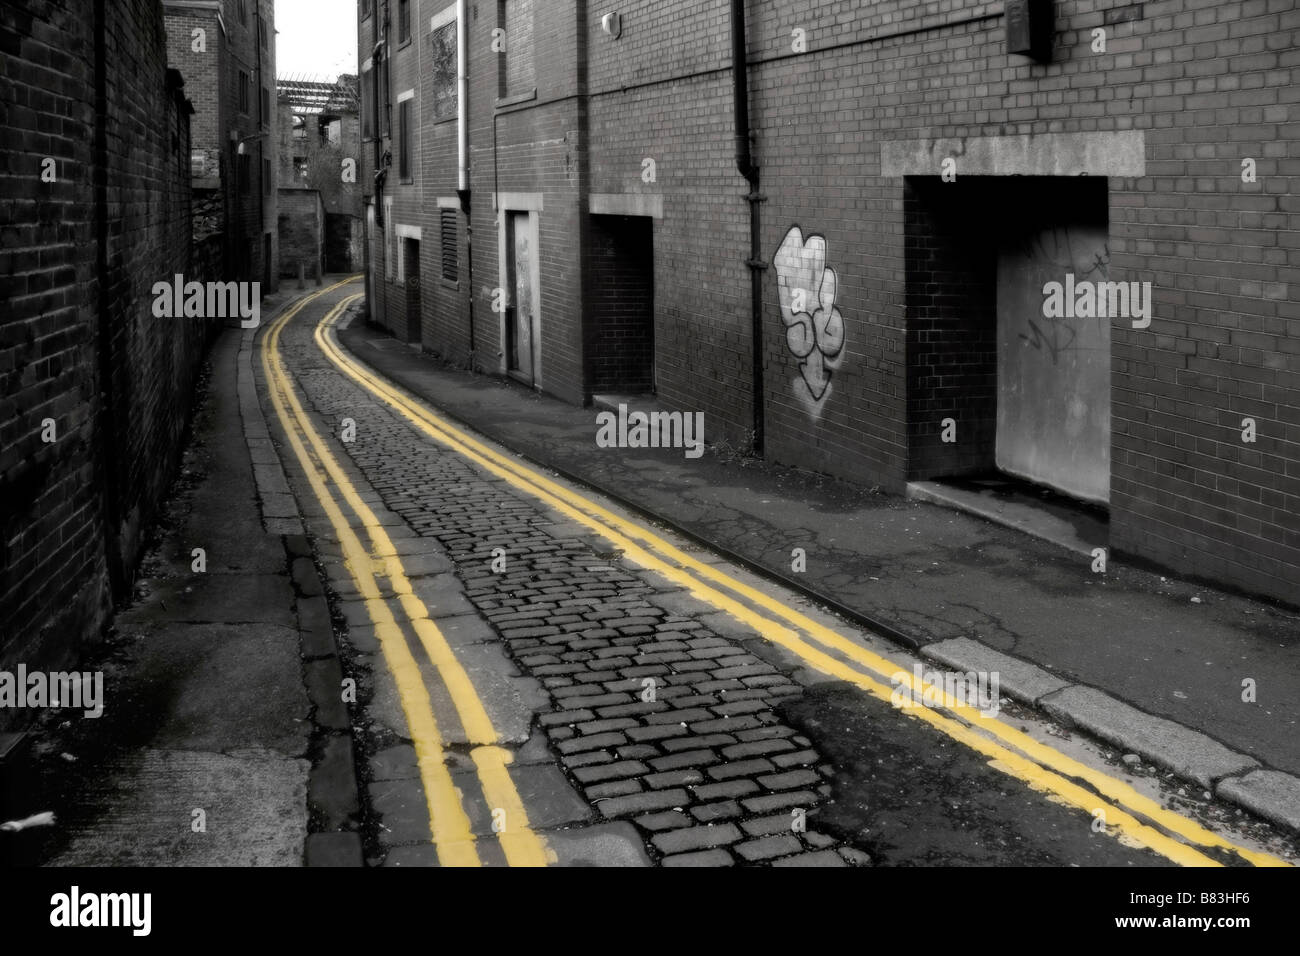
x: 1200, y: 682
x: 216, y: 747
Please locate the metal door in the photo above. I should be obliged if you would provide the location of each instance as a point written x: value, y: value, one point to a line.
x: 411, y: 268
x: 1054, y: 373
x: 521, y: 317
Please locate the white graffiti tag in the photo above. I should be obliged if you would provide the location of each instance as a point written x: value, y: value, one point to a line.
x: 814, y: 329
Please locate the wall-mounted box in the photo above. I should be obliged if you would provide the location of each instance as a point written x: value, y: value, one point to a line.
x: 1029, y: 26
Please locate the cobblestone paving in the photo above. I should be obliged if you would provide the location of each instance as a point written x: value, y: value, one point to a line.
x: 706, y: 770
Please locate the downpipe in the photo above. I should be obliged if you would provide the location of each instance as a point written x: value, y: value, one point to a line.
x: 749, y: 169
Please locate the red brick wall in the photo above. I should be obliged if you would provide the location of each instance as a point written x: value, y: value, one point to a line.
x: 78, y: 340
x: 1208, y: 83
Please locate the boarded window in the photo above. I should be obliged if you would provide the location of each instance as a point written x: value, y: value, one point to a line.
x: 404, y: 140
x: 519, y: 75
x: 367, y: 104
x: 442, y: 53
x: 447, y: 223
x: 403, y: 20
x: 382, y: 102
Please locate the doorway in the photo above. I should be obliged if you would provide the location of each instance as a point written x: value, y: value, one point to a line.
x: 999, y: 383
x: 411, y: 272
x: 622, y: 298
x: 522, y: 319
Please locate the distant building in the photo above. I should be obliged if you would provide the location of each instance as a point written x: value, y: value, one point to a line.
x: 225, y: 49
x: 318, y: 151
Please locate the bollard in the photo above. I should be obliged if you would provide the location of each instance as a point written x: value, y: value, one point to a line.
x: 318, y: 272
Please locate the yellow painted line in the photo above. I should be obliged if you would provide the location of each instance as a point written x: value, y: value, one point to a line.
x: 448, y: 823
x: 622, y: 534
x: 521, y: 845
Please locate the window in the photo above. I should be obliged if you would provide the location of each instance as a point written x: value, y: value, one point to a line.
x: 261, y: 29
x: 403, y: 21
x: 245, y: 171
x: 516, y: 73
x: 381, y: 98
x: 198, y: 163
x: 266, y: 176
x: 447, y: 230
x: 243, y: 11
x: 329, y: 129
x: 442, y: 43
x: 266, y: 106
x: 367, y: 104
x: 300, y: 168
x: 404, y: 140
x: 366, y: 7
x: 243, y: 92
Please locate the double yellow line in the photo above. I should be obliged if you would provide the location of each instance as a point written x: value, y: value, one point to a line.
x: 449, y: 824
x: 1008, y: 750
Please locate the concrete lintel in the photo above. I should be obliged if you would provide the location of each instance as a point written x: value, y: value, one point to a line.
x: 1120, y: 153
x: 518, y: 202
x: 628, y: 204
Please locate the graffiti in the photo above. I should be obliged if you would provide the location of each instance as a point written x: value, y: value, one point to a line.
x: 1052, y: 337
x: 1055, y: 247
x: 814, y: 327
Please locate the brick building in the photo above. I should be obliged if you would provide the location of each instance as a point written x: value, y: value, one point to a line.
x: 318, y: 151
x: 226, y: 51
x: 858, y: 250
x: 95, y: 391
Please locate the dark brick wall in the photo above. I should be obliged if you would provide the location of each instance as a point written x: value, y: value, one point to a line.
x: 302, y: 231
x: 78, y: 340
x: 952, y: 328
x: 1208, y: 84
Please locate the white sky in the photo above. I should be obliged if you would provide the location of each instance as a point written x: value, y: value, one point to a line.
x: 316, y: 37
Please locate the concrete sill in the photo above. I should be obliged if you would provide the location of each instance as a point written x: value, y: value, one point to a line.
x: 504, y: 101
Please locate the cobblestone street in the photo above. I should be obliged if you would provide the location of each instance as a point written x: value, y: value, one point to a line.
x: 644, y: 723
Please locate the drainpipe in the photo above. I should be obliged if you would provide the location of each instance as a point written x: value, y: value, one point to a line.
x: 462, y: 153
x: 749, y: 169
x: 462, y: 92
